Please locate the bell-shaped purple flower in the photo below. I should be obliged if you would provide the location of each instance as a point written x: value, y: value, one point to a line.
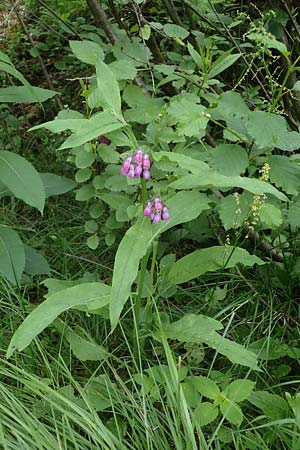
x: 165, y: 213
x: 138, y: 171
x: 146, y: 162
x: 131, y: 171
x: 156, y: 211
x: 137, y: 166
x: 139, y: 156
x: 146, y: 174
x: 148, y: 210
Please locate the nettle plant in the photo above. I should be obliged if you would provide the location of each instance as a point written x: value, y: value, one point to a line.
x: 19, y: 179
x: 153, y: 175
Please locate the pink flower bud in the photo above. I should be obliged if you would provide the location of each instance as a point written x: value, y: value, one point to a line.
x: 131, y: 171
x: 156, y: 218
x: 146, y: 175
x: 137, y: 171
x: 139, y: 156
x: 146, y: 162
x: 165, y: 214
x: 148, y: 209
x: 158, y: 204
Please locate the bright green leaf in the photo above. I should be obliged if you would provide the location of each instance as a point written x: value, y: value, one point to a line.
x: 12, y: 255
x: 210, y: 259
x: 22, y: 179
x: 91, y: 295
x: 87, y: 51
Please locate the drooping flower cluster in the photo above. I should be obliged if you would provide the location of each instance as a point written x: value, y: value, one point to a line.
x: 156, y: 210
x: 137, y: 166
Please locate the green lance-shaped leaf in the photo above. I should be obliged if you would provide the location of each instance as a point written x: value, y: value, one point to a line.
x: 183, y: 207
x: 25, y: 94
x: 109, y: 89
x: 203, y: 176
x: 22, y: 179
x: 12, y: 254
x: 88, y: 52
x: 56, y: 185
x: 90, y: 295
x: 203, y: 329
x: 208, y: 260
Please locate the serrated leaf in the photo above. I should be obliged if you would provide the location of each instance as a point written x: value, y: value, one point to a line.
x: 87, y: 51
x: 232, y: 213
x: 22, y: 179
x: 270, y: 216
x: 123, y: 70
x: 91, y: 295
x: 229, y: 159
x: 285, y: 173
x: 239, y: 390
x: 190, y: 117
x: 266, y: 128
x: 12, y: 255
x: 293, y: 216
x: 232, y: 412
x: 205, y: 413
x: 210, y: 259
x: 206, y: 387
x: 142, y: 109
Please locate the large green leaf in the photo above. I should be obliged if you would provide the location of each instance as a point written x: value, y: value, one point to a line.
x: 285, y: 173
x: 190, y: 117
x: 22, y: 179
x: 25, y: 94
x: 229, y: 159
x: 56, y: 185
x: 12, y: 255
x: 222, y: 63
x: 203, y: 176
x: 200, y: 329
x: 109, y: 89
x: 87, y: 51
x: 91, y: 295
x: 208, y: 260
x: 101, y: 123
x: 143, y: 109
x: 183, y: 207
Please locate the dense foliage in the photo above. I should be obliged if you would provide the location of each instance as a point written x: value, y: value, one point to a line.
x: 160, y: 142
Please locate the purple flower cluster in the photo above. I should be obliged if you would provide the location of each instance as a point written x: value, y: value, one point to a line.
x: 156, y: 211
x: 137, y: 166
